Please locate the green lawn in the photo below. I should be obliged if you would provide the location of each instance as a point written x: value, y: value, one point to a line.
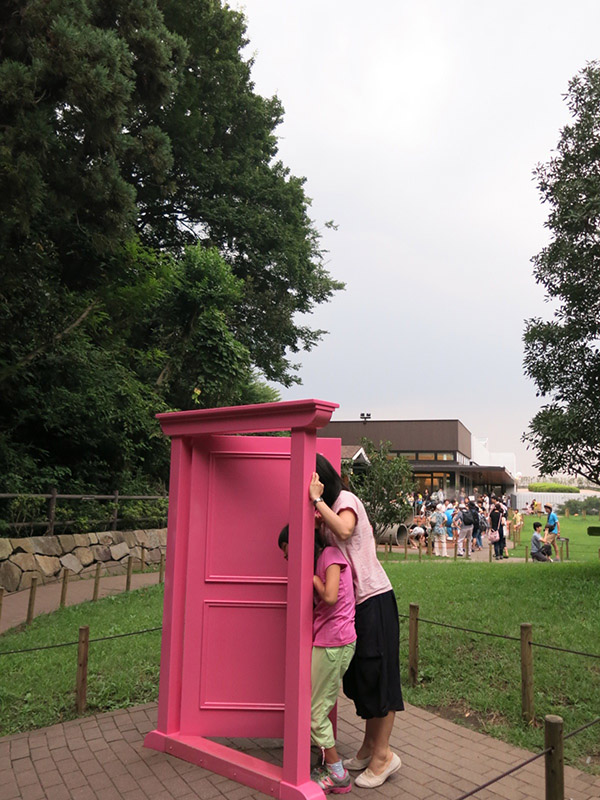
x: 38, y: 689
x: 476, y: 678
x: 472, y: 679
x: 581, y: 546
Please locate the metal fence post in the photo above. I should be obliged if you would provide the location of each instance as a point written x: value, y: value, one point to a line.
x: 555, y: 768
x: 413, y: 643
x: 527, y: 710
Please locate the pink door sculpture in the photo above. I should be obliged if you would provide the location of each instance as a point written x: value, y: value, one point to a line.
x: 237, y: 623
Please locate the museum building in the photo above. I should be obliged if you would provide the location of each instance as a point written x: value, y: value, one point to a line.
x: 443, y: 453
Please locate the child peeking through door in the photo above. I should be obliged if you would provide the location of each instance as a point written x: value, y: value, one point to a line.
x: 334, y: 640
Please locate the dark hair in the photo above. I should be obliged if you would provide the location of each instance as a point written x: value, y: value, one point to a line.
x: 537, y: 525
x: 320, y: 543
x: 331, y: 480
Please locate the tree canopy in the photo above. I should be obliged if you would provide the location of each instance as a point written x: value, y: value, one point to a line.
x: 562, y: 355
x: 154, y: 253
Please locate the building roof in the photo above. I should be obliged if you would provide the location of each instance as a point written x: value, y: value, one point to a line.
x: 354, y: 453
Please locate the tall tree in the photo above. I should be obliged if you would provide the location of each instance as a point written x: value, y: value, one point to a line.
x: 562, y: 355
x: 151, y: 244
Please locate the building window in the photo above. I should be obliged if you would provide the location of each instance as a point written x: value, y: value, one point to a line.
x: 445, y: 456
x: 409, y: 456
x: 425, y: 456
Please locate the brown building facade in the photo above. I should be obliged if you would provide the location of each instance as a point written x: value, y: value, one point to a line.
x: 439, y: 452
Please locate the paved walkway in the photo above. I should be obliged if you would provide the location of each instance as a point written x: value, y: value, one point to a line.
x: 102, y: 758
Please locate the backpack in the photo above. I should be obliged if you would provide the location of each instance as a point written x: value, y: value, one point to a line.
x: 482, y: 522
x: 467, y: 517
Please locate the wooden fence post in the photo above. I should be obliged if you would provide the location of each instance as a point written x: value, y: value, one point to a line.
x: 455, y: 546
x: 413, y: 643
x: 527, y: 710
x: 555, y: 768
x: 561, y: 551
x: 82, y: 664
x: 115, y: 516
x: 490, y: 552
x: 420, y: 548
x: 567, y: 541
x: 63, y: 591
x: 429, y: 540
x: 406, y: 547
x: 129, y: 571
x: 97, y: 581
x: 31, y: 604
x: 51, y: 511
x: 161, y: 569
x: 526, y: 554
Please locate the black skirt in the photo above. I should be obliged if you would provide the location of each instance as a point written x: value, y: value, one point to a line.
x: 373, y: 677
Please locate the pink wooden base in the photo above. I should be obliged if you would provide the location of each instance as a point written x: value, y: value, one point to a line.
x: 236, y: 766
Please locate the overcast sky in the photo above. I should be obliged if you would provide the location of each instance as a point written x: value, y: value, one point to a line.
x: 418, y: 124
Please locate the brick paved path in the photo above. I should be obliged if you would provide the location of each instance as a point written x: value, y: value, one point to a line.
x: 102, y: 758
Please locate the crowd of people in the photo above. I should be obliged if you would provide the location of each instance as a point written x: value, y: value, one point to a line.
x: 464, y: 521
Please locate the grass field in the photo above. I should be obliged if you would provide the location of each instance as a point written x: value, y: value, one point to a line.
x: 469, y: 678
x: 474, y: 679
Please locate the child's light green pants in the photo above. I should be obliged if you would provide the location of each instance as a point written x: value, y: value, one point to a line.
x: 328, y: 667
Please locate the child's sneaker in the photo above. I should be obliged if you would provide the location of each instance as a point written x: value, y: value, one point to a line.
x: 329, y: 781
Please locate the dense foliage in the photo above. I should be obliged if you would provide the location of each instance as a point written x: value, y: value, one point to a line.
x: 562, y: 355
x: 589, y: 504
x: 153, y: 251
x: 383, y: 487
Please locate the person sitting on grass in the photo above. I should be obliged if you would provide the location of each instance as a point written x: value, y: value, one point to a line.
x: 540, y: 549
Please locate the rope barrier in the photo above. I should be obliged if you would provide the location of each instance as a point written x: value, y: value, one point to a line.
x: 467, y: 630
x: 525, y: 763
x: 502, y: 636
x: 68, y: 644
x: 583, y: 727
x: 505, y: 774
x: 565, y: 650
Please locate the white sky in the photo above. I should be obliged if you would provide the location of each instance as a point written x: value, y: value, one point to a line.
x: 417, y: 124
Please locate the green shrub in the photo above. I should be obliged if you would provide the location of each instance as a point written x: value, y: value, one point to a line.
x: 552, y: 487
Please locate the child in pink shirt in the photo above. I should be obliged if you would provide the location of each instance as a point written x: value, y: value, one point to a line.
x: 334, y: 640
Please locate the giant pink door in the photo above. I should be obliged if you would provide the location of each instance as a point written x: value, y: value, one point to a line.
x: 236, y: 631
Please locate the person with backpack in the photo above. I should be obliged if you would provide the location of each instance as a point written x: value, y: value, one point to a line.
x: 465, y: 532
x: 483, y: 526
x: 476, y: 532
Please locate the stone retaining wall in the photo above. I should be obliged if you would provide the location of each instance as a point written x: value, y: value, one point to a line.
x: 46, y: 556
